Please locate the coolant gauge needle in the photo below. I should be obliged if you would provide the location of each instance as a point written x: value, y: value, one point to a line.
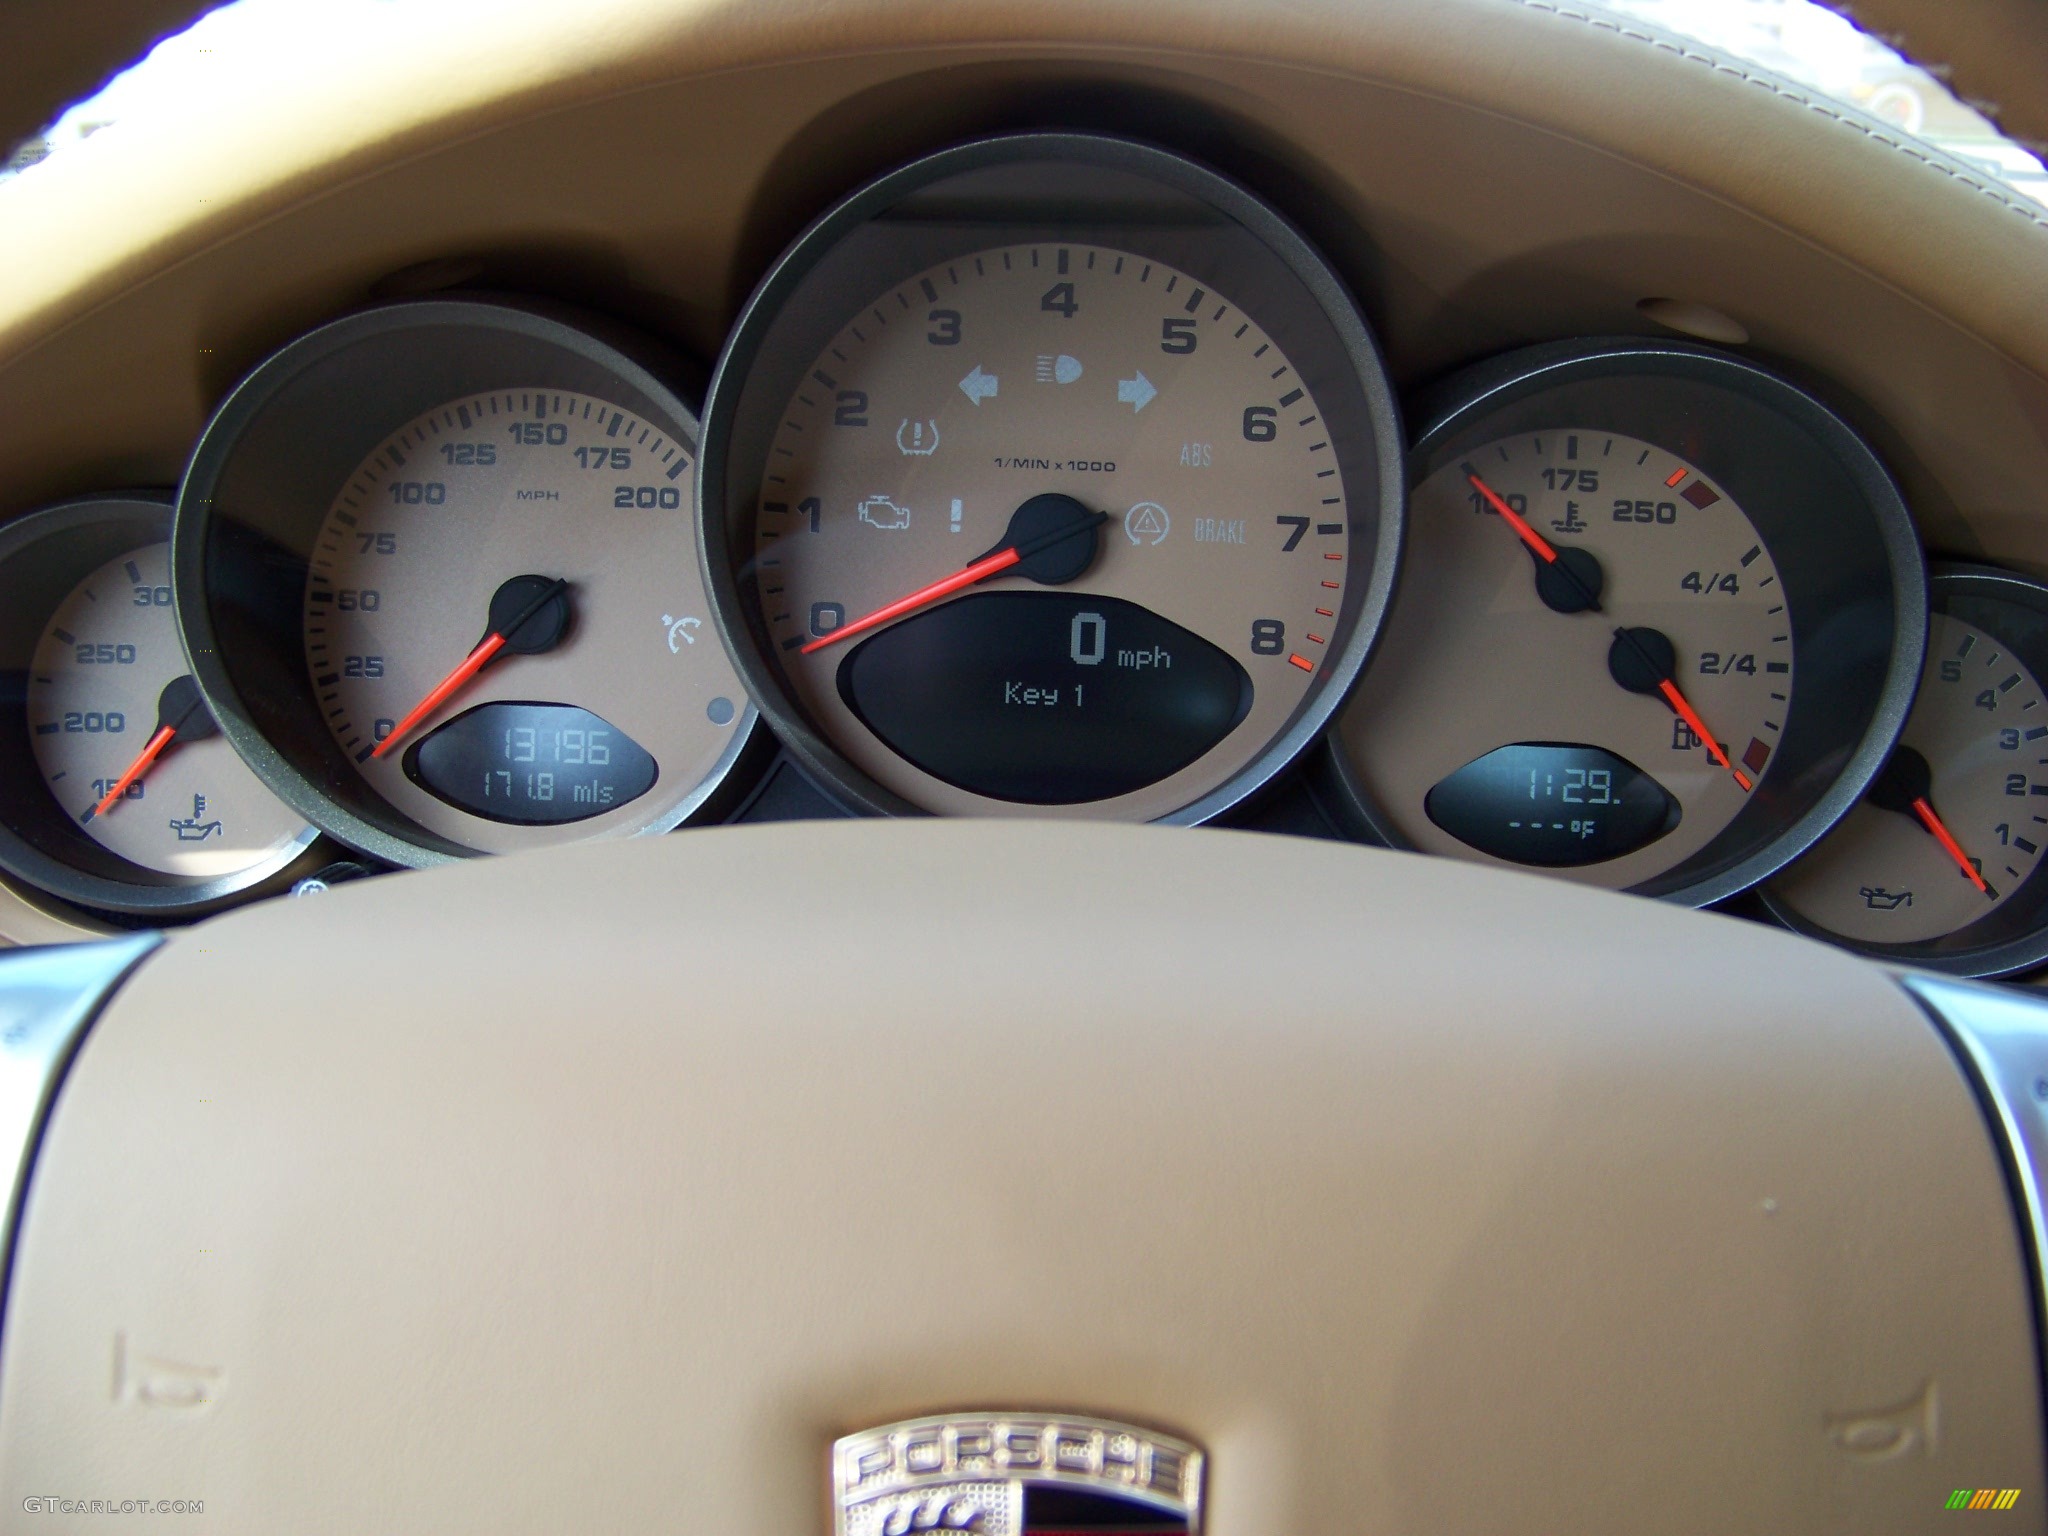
x: 1045, y: 538
x: 1644, y: 660
x: 1906, y: 785
x: 180, y: 713
x: 1568, y: 578
x: 529, y: 614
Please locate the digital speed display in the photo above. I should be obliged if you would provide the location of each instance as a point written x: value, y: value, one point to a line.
x: 1045, y: 698
x: 531, y: 765
x: 1551, y: 804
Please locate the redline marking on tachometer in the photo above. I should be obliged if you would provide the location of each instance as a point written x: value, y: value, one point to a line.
x: 1303, y: 662
x: 1675, y: 476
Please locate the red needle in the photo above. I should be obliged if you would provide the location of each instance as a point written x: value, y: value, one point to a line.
x: 492, y: 643
x: 1699, y: 728
x: 1515, y: 520
x: 137, y: 769
x: 1954, y: 849
x: 945, y: 586
x: 472, y: 664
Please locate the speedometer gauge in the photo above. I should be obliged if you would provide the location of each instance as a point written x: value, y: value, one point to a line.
x: 1660, y: 618
x: 461, y: 613
x: 1021, y: 504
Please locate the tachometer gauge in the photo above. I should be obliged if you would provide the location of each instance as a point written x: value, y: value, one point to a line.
x: 447, y: 592
x: 1938, y: 864
x: 141, y: 806
x: 1660, y: 617
x: 1050, y: 475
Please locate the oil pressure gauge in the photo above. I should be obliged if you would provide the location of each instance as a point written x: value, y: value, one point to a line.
x: 1938, y: 864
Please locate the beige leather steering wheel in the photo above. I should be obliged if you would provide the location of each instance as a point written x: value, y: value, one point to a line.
x: 603, y: 1190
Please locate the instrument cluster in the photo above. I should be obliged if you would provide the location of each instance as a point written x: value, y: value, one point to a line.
x: 1052, y: 474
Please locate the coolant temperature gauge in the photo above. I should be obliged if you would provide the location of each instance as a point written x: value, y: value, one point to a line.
x: 1936, y: 864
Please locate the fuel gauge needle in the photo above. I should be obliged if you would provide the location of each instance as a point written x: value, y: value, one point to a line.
x: 1643, y: 660
x: 179, y: 712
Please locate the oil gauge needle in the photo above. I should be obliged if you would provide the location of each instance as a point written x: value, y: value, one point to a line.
x: 1949, y: 845
x: 1906, y: 785
x: 179, y: 710
x: 532, y: 595
x: 1044, y: 536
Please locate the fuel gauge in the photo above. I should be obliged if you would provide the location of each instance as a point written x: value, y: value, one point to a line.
x: 1937, y: 864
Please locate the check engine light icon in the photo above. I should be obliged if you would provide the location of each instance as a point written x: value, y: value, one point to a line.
x: 881, y: 512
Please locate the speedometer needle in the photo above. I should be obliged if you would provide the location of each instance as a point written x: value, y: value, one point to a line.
x: 532, y: 595
x: 179, y: 710
x: 1038, y: 530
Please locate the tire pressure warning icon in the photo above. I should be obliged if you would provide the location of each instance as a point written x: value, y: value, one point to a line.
x: 1015, y: 1474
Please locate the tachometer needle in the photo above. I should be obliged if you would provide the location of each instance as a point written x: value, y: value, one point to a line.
x: 179, y: 709
x: 543, y: 592
x: 1037, y: 529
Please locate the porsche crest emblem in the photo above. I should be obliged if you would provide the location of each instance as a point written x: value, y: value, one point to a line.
x: 1015, y: 1474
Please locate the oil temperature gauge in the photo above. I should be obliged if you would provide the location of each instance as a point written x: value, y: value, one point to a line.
x: 124, y: 797
x: 1937, y: 865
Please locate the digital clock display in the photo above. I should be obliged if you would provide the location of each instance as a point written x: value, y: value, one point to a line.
x: 532, y: 765
x: 1552, y: 804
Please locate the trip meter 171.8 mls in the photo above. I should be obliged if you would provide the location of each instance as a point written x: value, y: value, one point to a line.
x: 1024, y: 505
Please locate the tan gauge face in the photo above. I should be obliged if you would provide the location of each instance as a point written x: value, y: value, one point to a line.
x: 1167, y: 483
x: 107, y: 674
x: 564, y: 527
x: 1975, y: 754
x: 1602, y: 711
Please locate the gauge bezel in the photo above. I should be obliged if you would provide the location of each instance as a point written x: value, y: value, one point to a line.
x: 1828, y: 757
x: 1375, y: 491
x: 292, y: 431
x: 61, y: 545
x: 2014, y: 935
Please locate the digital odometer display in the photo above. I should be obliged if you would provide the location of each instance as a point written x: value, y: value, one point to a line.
x: 1552, y: 804
x: 531, y: 765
